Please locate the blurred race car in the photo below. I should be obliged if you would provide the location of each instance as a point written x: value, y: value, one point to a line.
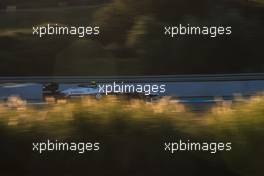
x: 51, y: 91
x: 81, y: 91
x: 91, y: 90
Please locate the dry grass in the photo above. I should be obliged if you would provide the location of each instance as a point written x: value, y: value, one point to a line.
x: 241, y: 123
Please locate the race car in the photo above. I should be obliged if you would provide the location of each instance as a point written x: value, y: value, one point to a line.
x: 92, y: 90
x: 81, y: 91
x: 51, y: 91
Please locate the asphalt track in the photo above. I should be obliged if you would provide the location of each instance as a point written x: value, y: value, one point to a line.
x: 191, y: 89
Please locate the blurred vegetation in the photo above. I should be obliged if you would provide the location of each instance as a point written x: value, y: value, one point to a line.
x: 140, y: 28
x: 132, y: 40
x: 132, y: 133
x: 21, y: 4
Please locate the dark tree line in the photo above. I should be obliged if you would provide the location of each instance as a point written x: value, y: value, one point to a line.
x: 137, y: 27
x: 132, y: 41
x: 47, y: 3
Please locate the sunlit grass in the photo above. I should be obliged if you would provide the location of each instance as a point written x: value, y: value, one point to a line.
x: 241, y: 123
x: 225, y: 120
x: 222, y: 115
